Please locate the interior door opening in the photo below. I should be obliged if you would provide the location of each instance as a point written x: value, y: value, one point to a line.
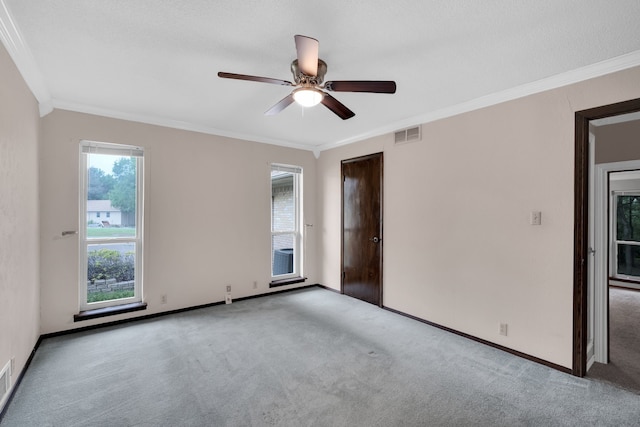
x: 584, y: 307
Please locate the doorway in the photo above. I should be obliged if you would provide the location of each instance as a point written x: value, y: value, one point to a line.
x: 362, y: 180
x: 615, y: 306
x: 581, y: 308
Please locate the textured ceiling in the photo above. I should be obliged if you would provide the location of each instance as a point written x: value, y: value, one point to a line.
x: 156, y: 60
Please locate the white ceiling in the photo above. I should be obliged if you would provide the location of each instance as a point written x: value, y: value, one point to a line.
x: 156, y: 61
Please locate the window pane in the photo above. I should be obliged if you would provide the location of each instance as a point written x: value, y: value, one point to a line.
x: 283, y: 252
x: 628, y: 218
x: 110, y: 271
x: 111, y: 196
x: 629, y: 260
x: 283, y: 206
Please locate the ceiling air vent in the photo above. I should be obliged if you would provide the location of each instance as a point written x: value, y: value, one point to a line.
x: 408, y: 135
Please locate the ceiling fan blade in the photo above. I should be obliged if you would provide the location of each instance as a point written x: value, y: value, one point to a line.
x: 373, y: 86
x: 254, y: 78
x: 307, y: 49
x: 281, y: 105
x: 337, y: 107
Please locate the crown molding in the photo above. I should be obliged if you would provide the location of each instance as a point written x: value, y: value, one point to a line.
x: 23, y: 58
x: 170, y: 123
x: 598, y: 69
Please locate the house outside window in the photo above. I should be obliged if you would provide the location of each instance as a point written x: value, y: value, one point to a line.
x: 286, y: 236
x: 110, y: 272
x: 95, y: 209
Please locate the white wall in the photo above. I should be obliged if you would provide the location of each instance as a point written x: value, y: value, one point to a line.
x: 19, y: 258
x: 458, y: 247
x: 207, y: 214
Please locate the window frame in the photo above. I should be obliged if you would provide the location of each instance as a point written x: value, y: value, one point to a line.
x: 94, y: 147
x: 298, y: 250
x: 613, y: 232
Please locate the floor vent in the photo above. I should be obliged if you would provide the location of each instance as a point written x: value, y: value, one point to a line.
x: 408, y: 135
x: 5, y: 377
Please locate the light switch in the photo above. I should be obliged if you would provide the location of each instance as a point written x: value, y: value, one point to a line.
x: 536, y: 218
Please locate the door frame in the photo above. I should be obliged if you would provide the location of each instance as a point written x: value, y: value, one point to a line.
x: 581, y: 225
x: 381, y: 232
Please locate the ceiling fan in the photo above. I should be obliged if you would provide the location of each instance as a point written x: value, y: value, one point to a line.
x: 308, y: 74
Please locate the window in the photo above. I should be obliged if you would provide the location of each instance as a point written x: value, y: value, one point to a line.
x: 111, y: 251
x: 286, y: 236
x: 626, y: 235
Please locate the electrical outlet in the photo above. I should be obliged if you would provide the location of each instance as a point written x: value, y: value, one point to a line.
x: 163, y: 299
x: 228, y: 299
x: 503, y: 329
x: 228, y: 288
x: 255, y: 284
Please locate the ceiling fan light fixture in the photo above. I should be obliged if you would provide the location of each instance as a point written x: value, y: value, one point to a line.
x: 308, y: 97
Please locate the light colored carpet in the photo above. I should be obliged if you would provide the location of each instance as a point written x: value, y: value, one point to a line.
x: 624, y: 341
x: 305, y: 358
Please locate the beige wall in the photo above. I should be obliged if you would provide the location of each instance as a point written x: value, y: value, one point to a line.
x: 207, y: 214
x: 19, y: 258
x: 458, y: 247
x: 617, y: 142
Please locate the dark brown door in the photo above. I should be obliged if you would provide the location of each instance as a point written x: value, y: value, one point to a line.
x: 362, y: 228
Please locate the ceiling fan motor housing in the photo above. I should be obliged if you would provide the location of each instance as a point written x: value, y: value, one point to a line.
x: 299, y: 77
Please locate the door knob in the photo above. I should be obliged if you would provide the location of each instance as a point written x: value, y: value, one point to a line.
x: 375, y: 239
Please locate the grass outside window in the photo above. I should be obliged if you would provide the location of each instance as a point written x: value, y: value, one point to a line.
x: 106, y: 232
